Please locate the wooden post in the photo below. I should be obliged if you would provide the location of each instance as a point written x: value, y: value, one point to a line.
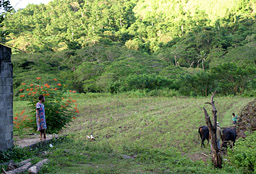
x: 216, y: 156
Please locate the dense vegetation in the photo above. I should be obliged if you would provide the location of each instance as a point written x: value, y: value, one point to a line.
x: 193, y: 47
x: 60, y: 110
x: 243, y: 155
x: 116, y: 69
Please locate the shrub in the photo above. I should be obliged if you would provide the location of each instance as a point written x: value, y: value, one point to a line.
x: 15, y: 153
x: 19, y: 121
x: 59, y: 111
x: 145, y: 81
x: 244, y: 154
x: 198, y: 84
x: 135, y: 44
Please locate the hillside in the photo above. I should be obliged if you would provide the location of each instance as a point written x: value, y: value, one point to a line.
x: 136, y: 24
x: 186, y: 33
x: 117, y: 46
x: 115, y: 69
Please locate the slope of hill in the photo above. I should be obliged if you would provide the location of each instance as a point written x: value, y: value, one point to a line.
x: 190, y: 29
x: 117, y: 46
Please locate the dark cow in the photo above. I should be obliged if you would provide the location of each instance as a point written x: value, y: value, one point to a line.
x: 204, y: 134
x: 228, y: 134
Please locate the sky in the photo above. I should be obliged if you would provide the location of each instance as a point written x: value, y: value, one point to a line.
x: 17, y: 4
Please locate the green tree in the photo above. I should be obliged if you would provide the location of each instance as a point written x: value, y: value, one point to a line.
x: 5, y: 6
x: 233, y: 79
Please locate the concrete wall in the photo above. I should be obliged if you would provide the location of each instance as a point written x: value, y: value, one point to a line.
x: 6, y: 99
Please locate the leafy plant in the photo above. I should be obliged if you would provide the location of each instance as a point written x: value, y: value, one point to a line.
x: 244, y: 154
x: 59, y: 111
x: 14, y: 154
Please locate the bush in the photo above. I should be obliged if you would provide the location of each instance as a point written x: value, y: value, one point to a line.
x: 58, y: 110
x: 15, y: 153
x: 198, y: 84
x: 244, y: 154
x: 135, y: 44
x: 233, y: 79
x: 143, y: 81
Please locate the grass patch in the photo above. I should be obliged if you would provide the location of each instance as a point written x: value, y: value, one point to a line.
x: 159, y: 133
x: 90, y: 157
x: 150, y: 122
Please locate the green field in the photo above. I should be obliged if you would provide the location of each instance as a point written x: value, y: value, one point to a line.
x: 161, y: 133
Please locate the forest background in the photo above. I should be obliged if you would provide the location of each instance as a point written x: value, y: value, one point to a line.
x: 184, y: 47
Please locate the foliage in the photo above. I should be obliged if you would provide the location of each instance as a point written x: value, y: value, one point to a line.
x: 20, y: 121
x: 234, y: 79
x: 137, y: 45
x: 58, y: 110
x: 137, y: 24
x: 126, y: 71
x: 200, y: 83
x: 5, y: 7
x: 227, y: 78
x: 141, y: 82
x: 244, y: 154
x: 14, y: 154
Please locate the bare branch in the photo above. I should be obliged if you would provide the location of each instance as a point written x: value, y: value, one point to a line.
x: 213, y: 96
x: 205, y: 113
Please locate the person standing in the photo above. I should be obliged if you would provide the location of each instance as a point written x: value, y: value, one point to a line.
x: 234, y: 118
x: 40, y: 117
x: 218, y: 134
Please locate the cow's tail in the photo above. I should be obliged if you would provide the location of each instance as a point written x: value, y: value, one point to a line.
x: 199, y: 133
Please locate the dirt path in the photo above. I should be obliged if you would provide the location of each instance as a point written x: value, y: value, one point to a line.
x: 32, y: 140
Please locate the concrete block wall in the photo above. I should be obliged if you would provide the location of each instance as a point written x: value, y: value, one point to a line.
x: 6, y: 99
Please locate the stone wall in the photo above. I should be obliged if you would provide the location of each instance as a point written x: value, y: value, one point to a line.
x: 6, y: 98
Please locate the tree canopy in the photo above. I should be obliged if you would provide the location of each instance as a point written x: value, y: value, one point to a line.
x: 111, y: 41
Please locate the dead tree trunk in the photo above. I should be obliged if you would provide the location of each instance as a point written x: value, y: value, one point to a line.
x: 216, y: 156
x: 35, y: 168
x: 20, y: 169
